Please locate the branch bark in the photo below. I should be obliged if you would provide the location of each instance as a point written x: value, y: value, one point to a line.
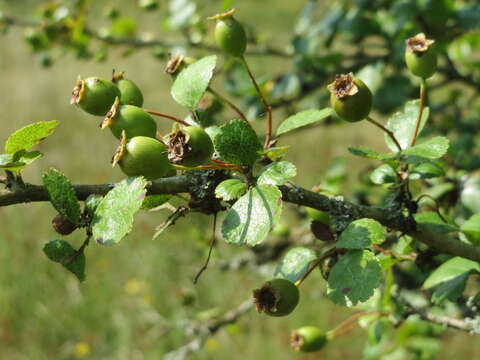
x: 341, y: 209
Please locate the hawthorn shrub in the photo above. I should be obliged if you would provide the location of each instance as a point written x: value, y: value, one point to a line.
x: 401, y: 250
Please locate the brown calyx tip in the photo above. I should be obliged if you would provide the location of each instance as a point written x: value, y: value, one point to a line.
x: 78, y: 91
x: 120, y: 152
x: 225, y: 15
x: 174, y: 64
x: 419, y: 43
x: 178, y: 147
x: 343, y: 86
x: 266, y: 298
x: 116, y: 77
x: 109, y: 117
x: 296, y: 340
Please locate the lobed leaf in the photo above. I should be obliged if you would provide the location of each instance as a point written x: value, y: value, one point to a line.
x: 62, y: 195
x: 252, y: 217
x: 113, y: 218
x: 230, y: 189
x: 354, y: 278
x: 237, y: 143
x: 361, y: 233
x: 193, y: 81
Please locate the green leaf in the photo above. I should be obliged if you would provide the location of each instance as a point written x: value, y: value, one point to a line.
x: 431, y: 149
x: 451, y: 289
x: 63, y: 253
x: 434, y: 222
x: 275, y: 153
x: 383, y: 174
x: 28, y: 136
x: 19, y: 160
x: 113, y: 218
x: 471, y: 228
x: 354, y: 278
x: 449, y: 271
x: 371, y: 154
x: 277, y: 173
x: 252, y: 217
x: 230, y: 189
x: 426, y: 170
x: 361, y: 233
x: 303, y: 118
x: 193, y: 81
x: 470, y: 196
x: 403, y: 125
x: 237, y: 143
x: 154, y: 201
x: 62, y: 195
x: 295, y: 264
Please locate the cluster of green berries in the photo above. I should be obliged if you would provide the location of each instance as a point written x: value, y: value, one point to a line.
x: 352, y: 99
x: 140, y: 153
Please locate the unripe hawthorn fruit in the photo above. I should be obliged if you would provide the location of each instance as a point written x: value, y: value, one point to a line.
x: 229, y: 34
x: 94, y: 95
x: 277, y: 297
x: 189, y: 146
x: 131, y: 119
x: 62, y: 225
x: 350, y: 98
x: 142, y: 156
x: 308, y: 339
x: 420, y: 56
x: 130, y: 94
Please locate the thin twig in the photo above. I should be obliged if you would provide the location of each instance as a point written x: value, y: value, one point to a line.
x: 156, y: 113
x: 387, y: 131
x: 268, y: 108
x: 328, y: 254
x: 423, y: 89
x: 229, y: 103
x: 212, y: 244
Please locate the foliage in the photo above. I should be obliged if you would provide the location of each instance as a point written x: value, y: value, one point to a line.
x: 412, y: 240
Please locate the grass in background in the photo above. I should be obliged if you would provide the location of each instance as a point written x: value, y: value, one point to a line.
x: 130, y: 306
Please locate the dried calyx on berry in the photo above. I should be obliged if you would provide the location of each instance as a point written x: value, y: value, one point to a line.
x: 131, y: 119
x: 230, y: 34
x: 62, y: 225
x: 176, y: 64
x: 420, y: 56
x: 277, y: 297
x: 130, y: 94
x: 308, y: 339
x: 142, y: 156
x: 350, y: 97
x: 190, y: 146
x: 94, y: 95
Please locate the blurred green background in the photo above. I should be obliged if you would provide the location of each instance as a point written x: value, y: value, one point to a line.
x: 132, y: 304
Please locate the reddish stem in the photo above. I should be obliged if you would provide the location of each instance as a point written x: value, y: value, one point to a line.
x: 156, y: 113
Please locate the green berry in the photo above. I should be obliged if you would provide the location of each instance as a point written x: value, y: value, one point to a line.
x: 277, y: 297
x: 130, y: 94
x: 94, y: 95
x: 131, y: 119
x: 229, y: 34
x: 420, y: 57
x: 190, y: 146
x: 350, y: 98
x: 308, y: 339
x: 143, y: 156
x: 62, y: 225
